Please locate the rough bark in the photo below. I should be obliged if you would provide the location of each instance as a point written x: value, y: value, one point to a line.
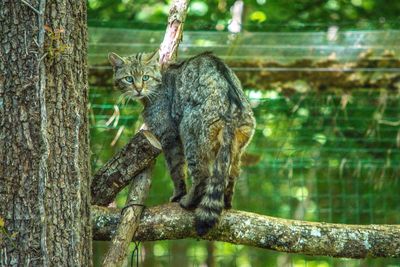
x: 129, y: 219
x: 119, y: 171
x: 44, y: 159
x: 169, y: 221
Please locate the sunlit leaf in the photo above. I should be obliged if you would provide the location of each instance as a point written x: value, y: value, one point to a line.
x: 198, y: 8
x: 258, y: 16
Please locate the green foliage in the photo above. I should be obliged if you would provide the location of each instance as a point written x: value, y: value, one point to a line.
x: 326, y: 155
x: 259, y: 15
x: 321, y: 161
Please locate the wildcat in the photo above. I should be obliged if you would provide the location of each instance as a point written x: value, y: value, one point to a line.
x: 199, y: 113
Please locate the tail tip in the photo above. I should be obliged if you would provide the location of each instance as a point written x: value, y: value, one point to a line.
x: 203, y: 227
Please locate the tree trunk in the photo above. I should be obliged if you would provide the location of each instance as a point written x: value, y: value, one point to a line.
x: 44, y: 159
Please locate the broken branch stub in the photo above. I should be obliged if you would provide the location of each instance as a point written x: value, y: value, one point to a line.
x: 131, y: 160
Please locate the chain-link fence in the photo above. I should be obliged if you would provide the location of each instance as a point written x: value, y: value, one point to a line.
x: 327, y: 143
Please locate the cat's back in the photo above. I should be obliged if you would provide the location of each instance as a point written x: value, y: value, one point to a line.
x: 204, y: 69
x: 206, y: 81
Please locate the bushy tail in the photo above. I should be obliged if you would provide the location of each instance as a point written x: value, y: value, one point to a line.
x: 209, y: 210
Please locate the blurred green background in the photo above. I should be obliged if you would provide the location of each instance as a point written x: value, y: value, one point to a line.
x: 324, y: 81
x: 258, y: 15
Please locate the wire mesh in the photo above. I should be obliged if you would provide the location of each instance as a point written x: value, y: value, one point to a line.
x: 280, y: 47
x: 323, y: 154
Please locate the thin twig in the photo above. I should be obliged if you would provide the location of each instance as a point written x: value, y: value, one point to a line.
x: 31, y: 7
x: 114, y: 141
x: 42, y: 57
x: 26, y: 48
x: 390, y: 123
x: 36, y: 42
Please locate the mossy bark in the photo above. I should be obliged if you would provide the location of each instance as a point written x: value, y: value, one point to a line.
x: 44, y: 144
x: 167, y: 222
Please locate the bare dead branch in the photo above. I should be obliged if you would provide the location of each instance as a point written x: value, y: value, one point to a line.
x: 173, y: 33
x: 130, y: 219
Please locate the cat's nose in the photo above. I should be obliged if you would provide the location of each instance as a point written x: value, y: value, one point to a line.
x: 138, y: 89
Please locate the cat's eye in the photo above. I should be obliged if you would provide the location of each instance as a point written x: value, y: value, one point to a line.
x: 129, y: 79
x: 145, y: 77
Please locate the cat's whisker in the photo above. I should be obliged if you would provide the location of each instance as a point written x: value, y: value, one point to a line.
x: 121, y: 98
x: 151, y: 97
x: 128, y: 99
x: 125, y: 97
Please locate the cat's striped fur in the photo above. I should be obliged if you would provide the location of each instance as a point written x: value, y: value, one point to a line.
x: 198, y: 111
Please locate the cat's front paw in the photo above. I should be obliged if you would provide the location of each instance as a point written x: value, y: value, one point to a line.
x: 177, y: 197
x: 227, y: 202
x: 178, y: 194
x: 228, y: 206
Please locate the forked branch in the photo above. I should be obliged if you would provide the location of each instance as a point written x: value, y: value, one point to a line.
x: 150, y: 147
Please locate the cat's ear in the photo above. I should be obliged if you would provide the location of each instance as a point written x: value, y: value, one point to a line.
x: 152, y: 57
x: 115, y: 60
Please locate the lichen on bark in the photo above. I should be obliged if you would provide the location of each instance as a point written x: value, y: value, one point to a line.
x: 169, y: 221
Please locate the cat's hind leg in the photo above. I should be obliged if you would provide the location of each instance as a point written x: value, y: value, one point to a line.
x: 200, y: 141
x: 241, y: 139
x: 199, y: 172
x: 231, y: 181
x: 175, y: 159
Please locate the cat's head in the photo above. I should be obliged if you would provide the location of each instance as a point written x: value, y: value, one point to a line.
x: 138, y: 76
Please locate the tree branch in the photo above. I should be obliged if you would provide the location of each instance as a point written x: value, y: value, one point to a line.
x: 141, y: 182
x: 131, y: 160
x: 130, y: 218
x: 169, y: 221
x: 173, y: 33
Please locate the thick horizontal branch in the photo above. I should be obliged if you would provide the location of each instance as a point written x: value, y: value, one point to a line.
x: 119, y: 171
x: 325, y: 239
